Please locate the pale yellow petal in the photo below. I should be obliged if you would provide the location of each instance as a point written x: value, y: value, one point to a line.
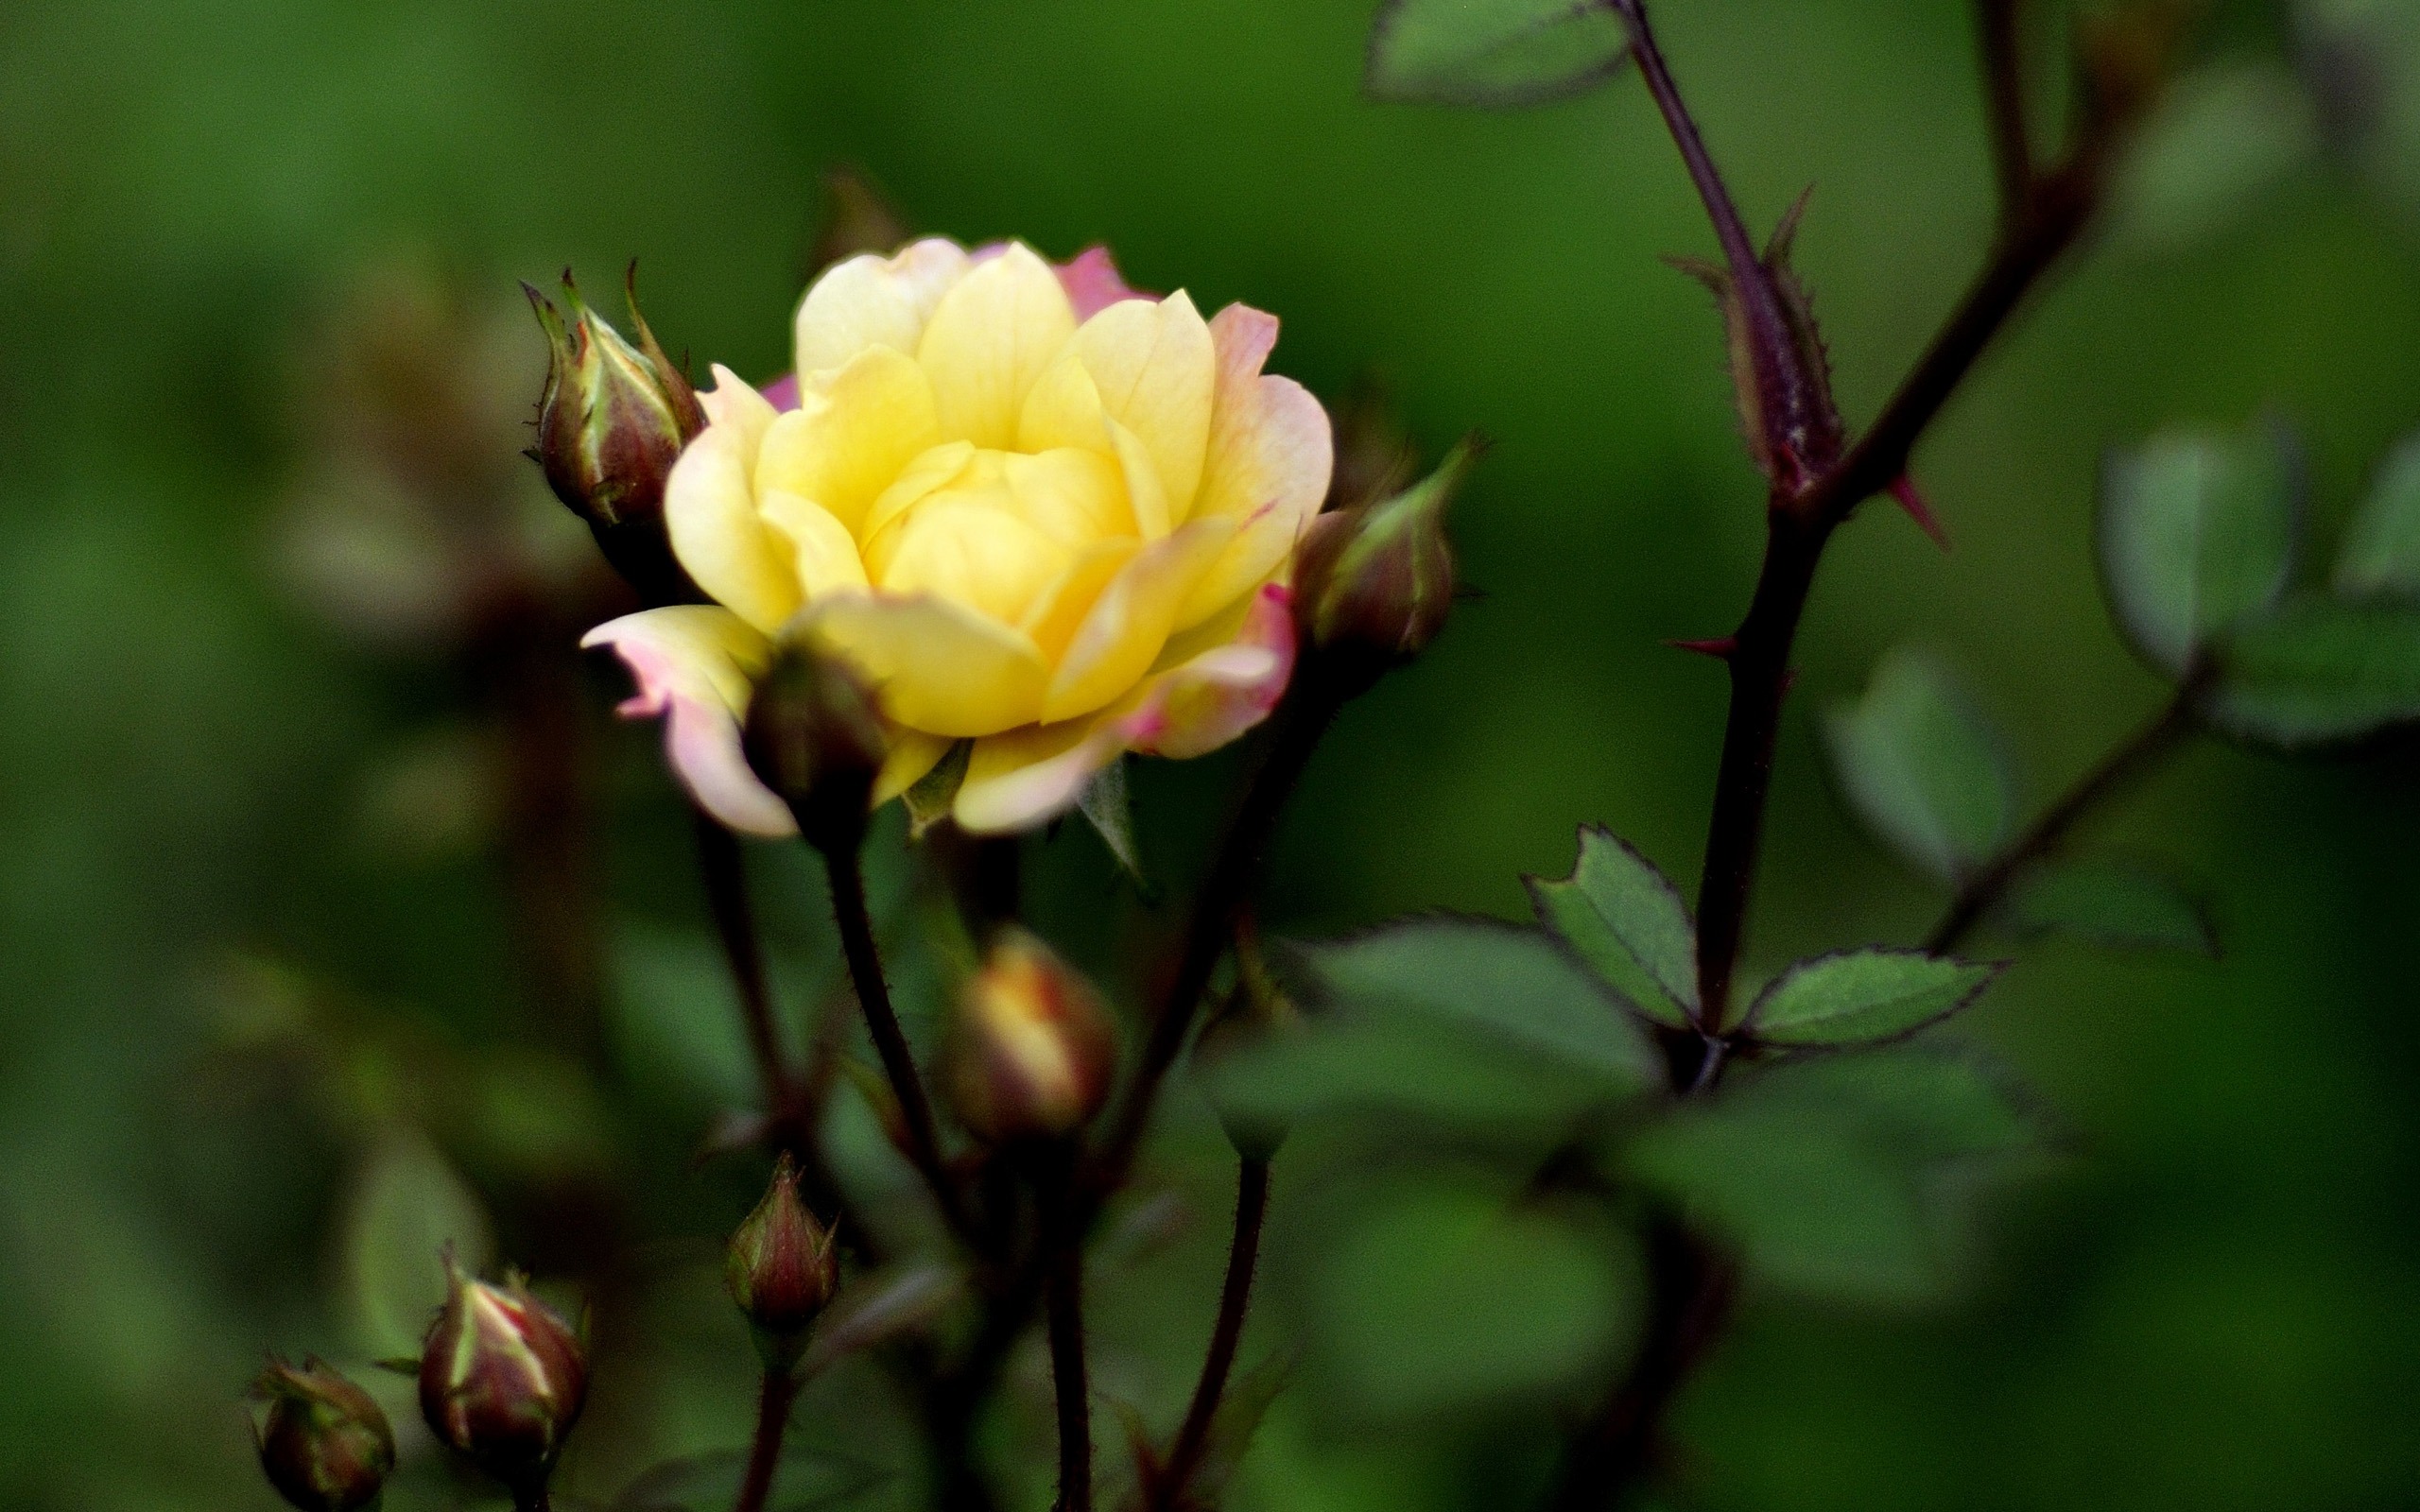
x: 911, y: 754
x: 990, y: 338
x: 855, y: 430
x: 937, y: 667
x: 1123, y: 632
x: 965, y: 548
x: 710, y: 512
x: 1064, y: 410
x: 735, y: 404
x: 1071, y: 494
x: 1144, y: 494
x: 1028, y: 777
x: 695, y: 666
x: 825, y: 552
x: 1059, y: 610
x: 1154, y: 368
x: 871, y: 301
x: 1272, y: 477
x: 942, y: 466
x: 1217, y: 694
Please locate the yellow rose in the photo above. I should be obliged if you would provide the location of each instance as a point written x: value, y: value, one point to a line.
x: 1039, y: 512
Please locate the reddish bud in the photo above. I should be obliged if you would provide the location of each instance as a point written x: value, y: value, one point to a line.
x: 324, y: 1443
x: 1031, y: 1052
x: 502, y: 1378
x: 1372, y: 584
x: 813, y: 736
x: 782, y: 1269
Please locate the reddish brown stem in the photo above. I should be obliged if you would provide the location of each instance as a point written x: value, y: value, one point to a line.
x: 773, y: 1400
x: 1999, y: 40
x: 1234, y: 1300
x: 724, y: 872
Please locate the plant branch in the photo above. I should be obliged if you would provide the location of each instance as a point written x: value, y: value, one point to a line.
x: 889, y: 1042
x: 2002, y: 59
x: 765, y: 1450
x: 1309, y: 708
x: 2127, y: 763
x: 1234, y: 1298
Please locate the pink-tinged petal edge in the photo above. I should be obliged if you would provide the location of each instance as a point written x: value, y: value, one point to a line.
x: 701, y: 736
x: 1200, y: 705
x: 1189, y: 710
x: 782, y: 393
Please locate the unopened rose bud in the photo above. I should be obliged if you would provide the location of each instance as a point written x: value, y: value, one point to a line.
x: 781, y: 1269
x: 813, y: 737
x: 324, y: 1443
x: 612, y: 421
x: 1031, y: 1051
x: 502, y: 1378
x: 1372, y: 584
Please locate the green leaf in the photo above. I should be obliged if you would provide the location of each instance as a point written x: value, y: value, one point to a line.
x: 2319, y: 671
x: 1436, y: 1298
x: 2110, y: 905
x: 2197, y: 534
x: 1492, y: 52
x: 1496, y: 980
x: 1106, y: 807
x: 2224, y: 137
x: 1847, y: 1177
x: 1921, y: 764
x: 1628, y: 924
x: 408, y: 1205
x: 1859, y: 996
x: 2382, y: 551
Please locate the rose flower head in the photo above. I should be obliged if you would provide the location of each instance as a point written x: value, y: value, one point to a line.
x: 1035, y: 510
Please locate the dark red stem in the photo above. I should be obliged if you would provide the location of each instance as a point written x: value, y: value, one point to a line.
x: 1235, y: 1301
x: 723, y: 869
x: 773, y: 1401
x: 1063, y: 1240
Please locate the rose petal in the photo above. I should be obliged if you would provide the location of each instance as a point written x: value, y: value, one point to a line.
x: 937, y: 667
x: 1028, y: 777
x: 1155, y: 368
x: 856, y: 428
x: 1207, y: 700
x: 868, y: 300
x: 1093, y: 284
x: 695, y: 665
x: 710, y: 512
x: 1122, y: 634
x: 989, y: 339
x: 1272, y: 473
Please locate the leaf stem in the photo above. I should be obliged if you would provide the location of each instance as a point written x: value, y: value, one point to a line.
x: 773, y: 1401
x: 882, y: 1023
x: 1234, y: 1300
x: 2124, y: 765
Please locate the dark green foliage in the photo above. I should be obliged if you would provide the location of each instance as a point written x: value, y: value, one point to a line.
x: 1492, y: 52
x: 1921, y: 764
x: 1622, y: 919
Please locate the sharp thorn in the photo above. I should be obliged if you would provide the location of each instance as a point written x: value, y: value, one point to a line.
x: 1903, y: 489
x: 1718, y: 646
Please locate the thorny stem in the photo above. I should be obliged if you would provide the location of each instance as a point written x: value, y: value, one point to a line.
x: 1309, y: 708
x: 882, y: 1023
x: 1064, y: 1245
x: 765, y: 1450
x: 1783, y: 389
x: 2127, y: 763
x: 1234, y: 1300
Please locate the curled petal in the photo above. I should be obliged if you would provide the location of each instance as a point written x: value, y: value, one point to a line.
x: 710, y: 510
x: 1274, y: 477
x: 695, y: 666
x: 1122, y: 633
x: 936, y: 666
x: 1028, y: 777
x: 868, y: 300
x: 1155, y: 367
x: 857, y: 427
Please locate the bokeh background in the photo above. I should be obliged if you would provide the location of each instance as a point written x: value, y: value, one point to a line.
x: 335, y: 912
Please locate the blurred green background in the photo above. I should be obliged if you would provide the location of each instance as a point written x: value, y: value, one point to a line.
x: 283, y: 620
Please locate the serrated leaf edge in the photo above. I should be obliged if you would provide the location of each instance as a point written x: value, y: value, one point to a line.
x: 1991, y: 972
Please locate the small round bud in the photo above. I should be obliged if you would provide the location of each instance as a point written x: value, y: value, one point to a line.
x: 814, y: 738
x: 324, y: 1443
x: 502, y: 1378
x: 612, y: 421
x: 1031, y: 1052
x: 782, y: 1269
x: 1372, y: 584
